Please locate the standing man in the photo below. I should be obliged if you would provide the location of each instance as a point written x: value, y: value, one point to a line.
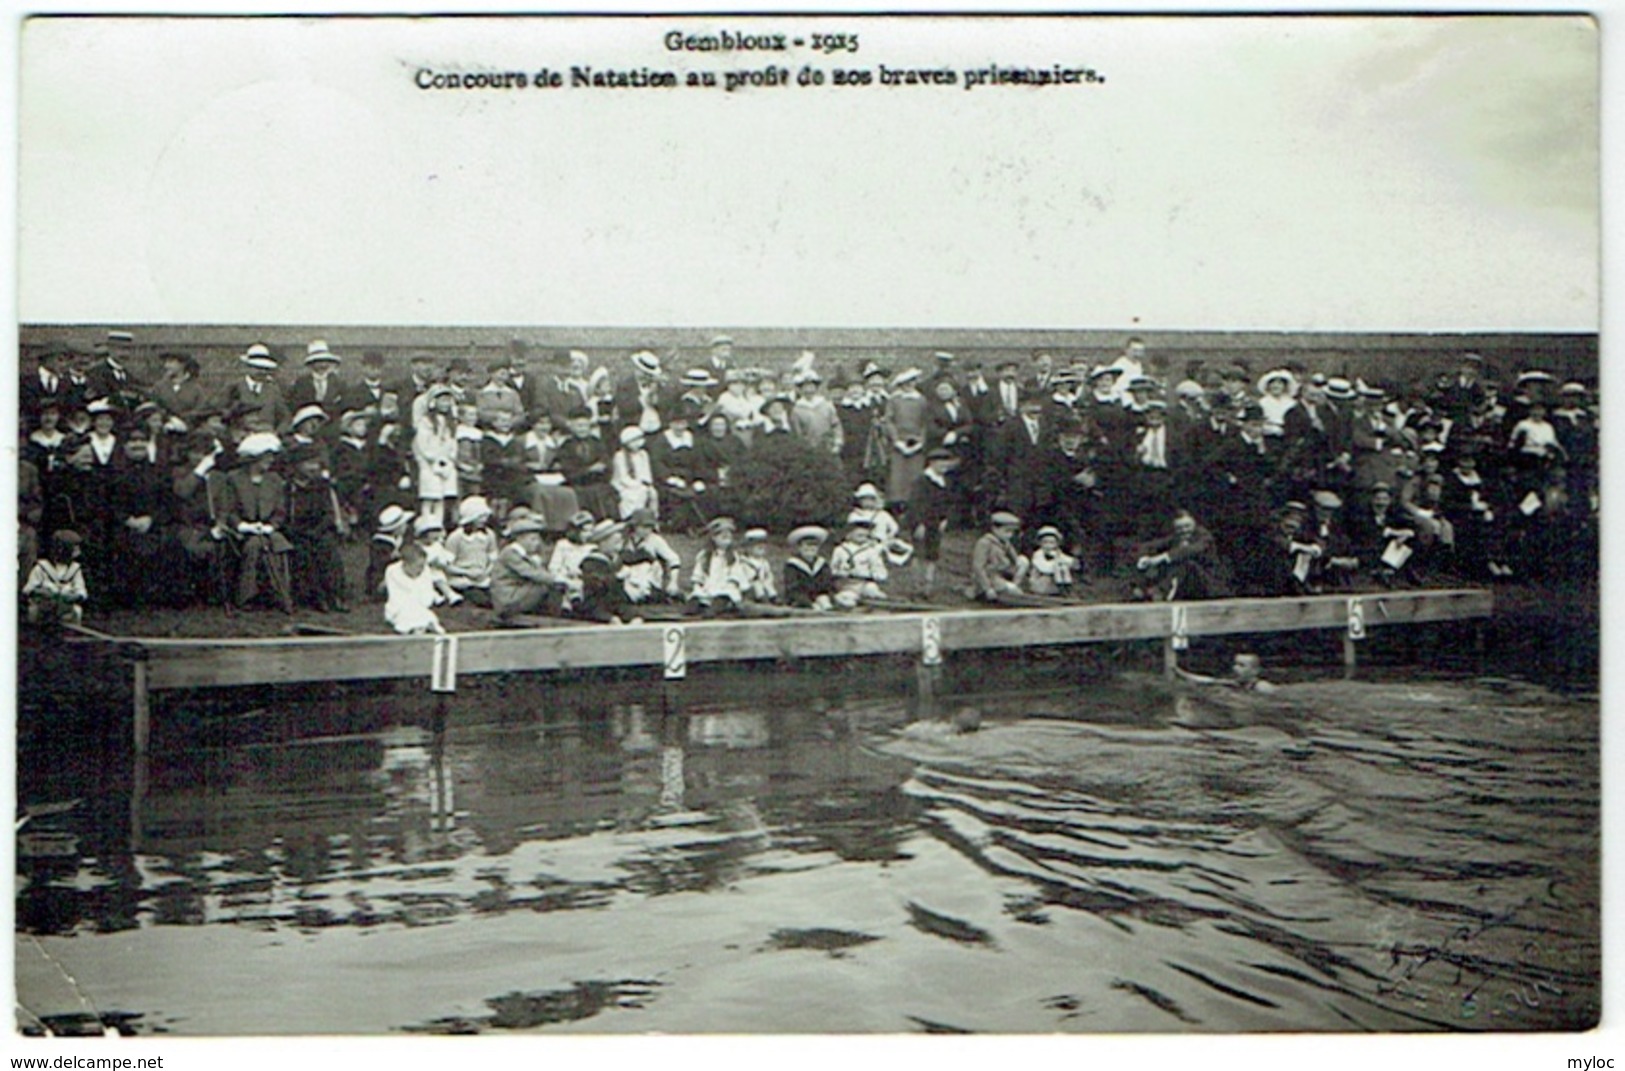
x: 319, y: 384
x: 257, y: 390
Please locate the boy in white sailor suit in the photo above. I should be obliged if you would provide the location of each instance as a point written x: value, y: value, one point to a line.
x: 859, y: 565
x: 55, y: 588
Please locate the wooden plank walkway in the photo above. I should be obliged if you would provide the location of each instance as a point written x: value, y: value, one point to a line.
x: 167, y: 664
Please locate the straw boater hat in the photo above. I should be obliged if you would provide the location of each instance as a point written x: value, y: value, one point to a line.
x: 318, y: 353
x: 1103, y: 370
x: 1573, y: 388
x: 698, y: 377
x: 1339, y: 389
x: 426, y: 524
x: 646, y: 362
x: 1535, y: 375
x: 907, y: 375
x: 1281, y: 374
x: 439, y: 390
x: 259, y: 356
x: 473, y: 509
x: 259, y: 444
x: 871, y: 370
x: 867, y: 490
x: 1005, y: 519
x: 755, y: 535
x: 632, y: 434
x: 120, y: 336
x: 1365, y: 390
x: 943, y: 356
x: 808, y: 532
x: 1049, y: 529
x: 364, y: 413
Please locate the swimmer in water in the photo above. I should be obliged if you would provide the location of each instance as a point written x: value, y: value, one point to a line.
x: 1245, y: 674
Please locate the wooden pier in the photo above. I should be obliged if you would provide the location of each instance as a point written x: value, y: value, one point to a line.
x: 667, y: 649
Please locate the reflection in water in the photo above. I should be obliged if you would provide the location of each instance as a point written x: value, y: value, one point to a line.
x: 1404, y: 856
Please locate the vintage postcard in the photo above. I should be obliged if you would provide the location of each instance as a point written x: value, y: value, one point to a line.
x: 821, y: 525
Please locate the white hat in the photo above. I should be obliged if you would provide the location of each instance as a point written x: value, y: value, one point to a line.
x: 755, y: 535
x: 258, y: 444
x: 259, y: 356
x: 306, y: 412
x: 474, y: 508
x: 393, y: 518
x: 1278, y: 373
x: 317, y: 352
x: 907, y: 375
x: 426, y: 523
x: 120, y: 336
x: 646, y: 362
x: 803, y: 364
x: 632, y: 434
x: 867, y: 490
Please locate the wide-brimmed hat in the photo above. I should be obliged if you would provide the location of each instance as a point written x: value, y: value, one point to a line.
x: 1048, y: 529
x: 754, y: 535
x: 394, y: 518
x: 364, y: 413
x: 318, y: 353
x: 1573, y: 388
x: 1327, y: 499
x: 308, y: 412
x: 581, y: 518
x: 473, y: 509
x: 258, y: 444
x: 940, y: 453
x: 1005, y: 519
x: 632, y: 434
x: 259, y: 356
x: 867, y: 490
x: 1366, y: 390
x: 871, y: 370
x: 907, y: 375
x: 120, y: 336
x: 806, y: 532
x: 1535, y: 375
x: 1103, y: 370
x: 647, y: 362
x: 721, y: 340
x: 1189, y: 388
x: 425, y: 524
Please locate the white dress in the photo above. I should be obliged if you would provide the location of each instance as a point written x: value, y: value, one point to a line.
x: 408, y: 607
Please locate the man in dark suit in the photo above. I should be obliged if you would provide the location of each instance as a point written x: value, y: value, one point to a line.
x: 559, y: 394
x: 46, y: 383
x: 257, y: 389
x: 320, y: 385
x: 1017, y: 458
x: 111, y: 375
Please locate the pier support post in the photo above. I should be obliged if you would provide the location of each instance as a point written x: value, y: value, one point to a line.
x: 1170, y: 659
x: 140, y: 739
x: 1350, y: 658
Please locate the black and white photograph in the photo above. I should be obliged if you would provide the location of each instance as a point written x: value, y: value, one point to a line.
x: 822, y: 525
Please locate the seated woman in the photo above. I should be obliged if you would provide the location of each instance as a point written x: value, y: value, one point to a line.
x: 1183, y: 565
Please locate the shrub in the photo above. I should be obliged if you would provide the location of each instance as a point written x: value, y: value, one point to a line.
x: 783, y: 481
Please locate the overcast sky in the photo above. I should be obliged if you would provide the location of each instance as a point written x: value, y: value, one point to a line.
x: 1311, y: 173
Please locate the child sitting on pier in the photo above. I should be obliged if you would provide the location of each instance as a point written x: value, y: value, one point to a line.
x: 568, y: 554
x: 431, y: 536
x: 55, y: 588
x: 385, y: 547
x: 650, y: 569
x: 413, y: 592
x: 859, y: 565
x: 520, y: 581
x: 1053, y: 569
x: 718, y: 579
x: 871, y: 505
x: 808, y: 582
x: 997, y: 568
x: 473, y: 550
x: 757, y: 570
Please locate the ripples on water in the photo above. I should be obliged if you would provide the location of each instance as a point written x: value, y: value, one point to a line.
x: 1126, y: 857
